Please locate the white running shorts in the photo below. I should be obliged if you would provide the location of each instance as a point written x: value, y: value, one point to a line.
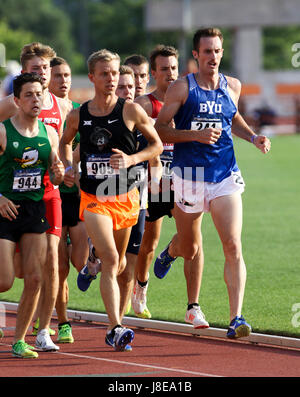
x: 192, y: 196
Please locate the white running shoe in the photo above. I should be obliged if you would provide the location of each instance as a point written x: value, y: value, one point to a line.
x: 139, y: 300
x: 196, y: 317
x: 44, y: 342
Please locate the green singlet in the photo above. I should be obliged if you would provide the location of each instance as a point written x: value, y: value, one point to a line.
x: 24, y: 163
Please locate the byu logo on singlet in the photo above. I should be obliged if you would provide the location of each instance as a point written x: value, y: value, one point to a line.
x: 210, y: 107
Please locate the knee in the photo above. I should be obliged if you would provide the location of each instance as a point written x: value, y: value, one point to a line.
x: 122, y: 266
x: 111, y: 263
x: 6, y: 282
x: 63, y: 272
x: 188, y: 251
x: 149, y: 246
x: 32, y: 281
x: 232, y: 248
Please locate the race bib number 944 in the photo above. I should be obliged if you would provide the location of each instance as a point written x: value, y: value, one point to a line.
x: 27, y: 180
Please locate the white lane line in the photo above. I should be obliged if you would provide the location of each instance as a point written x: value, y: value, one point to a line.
x: 183, y: 371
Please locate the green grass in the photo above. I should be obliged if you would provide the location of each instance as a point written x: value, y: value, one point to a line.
x: 271, y: 251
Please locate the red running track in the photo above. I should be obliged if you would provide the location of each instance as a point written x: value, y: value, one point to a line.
x: 155, y: 354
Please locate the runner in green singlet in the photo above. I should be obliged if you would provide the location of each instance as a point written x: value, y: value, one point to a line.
x: 27, y: 149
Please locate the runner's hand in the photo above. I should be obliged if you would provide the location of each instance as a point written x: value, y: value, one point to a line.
x: 69, y: 177
x: 120, y: 160
x: 262, y: 143
x: 208, y: 136
x: 58, y: 169
x: 8, y: 209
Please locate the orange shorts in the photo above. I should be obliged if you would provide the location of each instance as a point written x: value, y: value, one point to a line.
x: 123, y: 209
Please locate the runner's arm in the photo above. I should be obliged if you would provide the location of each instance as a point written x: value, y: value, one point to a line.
x: 55, y: 167
x: 8, y: 108
x: 65, y: 146
x: 239, y: 126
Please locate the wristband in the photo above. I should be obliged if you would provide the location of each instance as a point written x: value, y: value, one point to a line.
x: 253, y: 137
x: 0, y: 195
x: 68, y: 168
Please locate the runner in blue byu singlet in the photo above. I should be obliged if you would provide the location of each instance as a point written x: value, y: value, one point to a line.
x: 204, y: 109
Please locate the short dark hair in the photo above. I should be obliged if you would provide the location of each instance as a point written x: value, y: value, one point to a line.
x: 206, y: 32
x: 24, y: 78
x: 164, y: 51
x: 136, y: 59
x: 58, y: 61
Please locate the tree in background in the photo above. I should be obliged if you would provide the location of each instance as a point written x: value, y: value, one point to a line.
x: 42, y: 21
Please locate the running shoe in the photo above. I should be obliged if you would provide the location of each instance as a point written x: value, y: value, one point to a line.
x: 89, y: 272
x: 196, y: 317
x: 65, y: 333
x: 120, y: 339
x: 109, y: 340
x: 44, y: 342
x: 23, y: 350
x: 1, y: 333
x: 238, y: 328
x: 139, y: 300
x: 35, y: 329
x: 163, y: 263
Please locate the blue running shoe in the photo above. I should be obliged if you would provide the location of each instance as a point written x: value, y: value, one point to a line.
x: 84, y: 279
x: 163, y: 263
x: 89, y: 272
x: 121, y: 339
x: 109, y: 340
x: 238, y: 328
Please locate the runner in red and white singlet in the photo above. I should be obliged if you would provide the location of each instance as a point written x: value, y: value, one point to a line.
x: 164, y: 70
x: 52, y: 116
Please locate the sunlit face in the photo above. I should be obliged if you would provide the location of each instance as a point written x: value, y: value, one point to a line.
x: 105, y: 76
x: 166, y: 71
x: 31, y: 99
x: 60, y: 83
x: 126, y: 88
x: 209, y: 54
x: 40, y: 66
x: 141, y: 77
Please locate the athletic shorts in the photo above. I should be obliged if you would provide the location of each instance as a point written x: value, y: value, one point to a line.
x: 160, y: 205
x: 193, y: 197
x: 52, y: 201
x: 123, y: 209
x: 136, y: 235
x: 31, y: 218
x: 70, y: 203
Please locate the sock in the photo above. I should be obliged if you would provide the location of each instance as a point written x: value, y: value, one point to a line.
x: 113, y: 330
x: 142, y: 283
x: 67, y: 322
x: 191, y: 305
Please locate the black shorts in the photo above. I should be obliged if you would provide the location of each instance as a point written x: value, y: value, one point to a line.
x: 31, y: 219
x: 70, y: 203
x: 160, y: 205
x: 136, y: 235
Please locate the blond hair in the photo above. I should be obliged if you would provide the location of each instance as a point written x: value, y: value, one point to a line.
x: 101, y: 56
